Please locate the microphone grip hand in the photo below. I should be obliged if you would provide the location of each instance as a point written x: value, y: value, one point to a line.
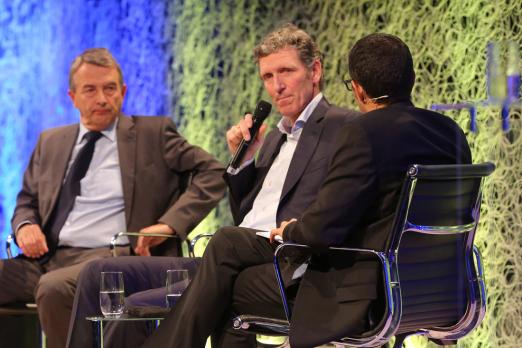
x: 239, y: 137
x: 248, y: 133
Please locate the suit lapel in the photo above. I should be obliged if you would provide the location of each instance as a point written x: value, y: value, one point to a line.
x: 59, y: 163
x: 271, y: 149
x: 308, y: 140
x: 127, y: 156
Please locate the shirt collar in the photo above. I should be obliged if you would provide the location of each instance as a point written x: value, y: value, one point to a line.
x: 109, y: 132
x: 284, y: 124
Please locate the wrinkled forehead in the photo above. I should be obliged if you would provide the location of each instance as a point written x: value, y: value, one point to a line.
x: 285, y: 57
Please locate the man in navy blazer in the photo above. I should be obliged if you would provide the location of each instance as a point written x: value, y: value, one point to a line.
x: 355, y: 207
x: 279, y: 184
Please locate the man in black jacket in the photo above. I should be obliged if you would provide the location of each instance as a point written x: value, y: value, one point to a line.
x: 355, y: 207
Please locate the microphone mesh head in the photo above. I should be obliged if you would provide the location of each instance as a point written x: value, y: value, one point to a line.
x: 263, y: 109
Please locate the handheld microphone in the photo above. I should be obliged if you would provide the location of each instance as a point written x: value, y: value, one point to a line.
x: 263, y: 108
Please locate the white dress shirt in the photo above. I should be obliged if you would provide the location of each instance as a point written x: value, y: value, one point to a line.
x: 263, y: 214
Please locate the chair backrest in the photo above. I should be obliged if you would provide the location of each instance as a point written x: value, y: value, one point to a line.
x: 431, y: 250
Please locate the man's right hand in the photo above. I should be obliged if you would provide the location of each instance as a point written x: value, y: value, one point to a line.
x: 31, y: 241
x: 242, y: 131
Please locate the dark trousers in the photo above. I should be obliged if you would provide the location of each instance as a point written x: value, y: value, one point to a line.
x: 50, y: 285
x: 235, y: 276
x: 144, y: 281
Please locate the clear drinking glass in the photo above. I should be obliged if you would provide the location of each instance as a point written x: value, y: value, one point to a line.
x: 112, y: 297
x: 177, y: 282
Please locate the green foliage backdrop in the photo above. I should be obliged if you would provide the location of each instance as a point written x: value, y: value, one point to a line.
x: 214, y: 81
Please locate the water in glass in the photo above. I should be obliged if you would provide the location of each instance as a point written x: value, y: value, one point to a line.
x: 177, y: 282
x: 112, y: 303
x: 112, y: 294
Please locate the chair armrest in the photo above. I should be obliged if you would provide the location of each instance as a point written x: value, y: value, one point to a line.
x: 114, y: 239
x: 192, y: 243
x: 289, y: 245
x: 389, y: 324
x: 261, y: 325
x: 376, y: 337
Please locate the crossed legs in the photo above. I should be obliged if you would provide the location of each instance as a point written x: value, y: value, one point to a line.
x: 235, y: 274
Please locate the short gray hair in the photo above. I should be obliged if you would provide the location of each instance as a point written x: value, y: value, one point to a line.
x: 95, y: 56
x: 289, y: 35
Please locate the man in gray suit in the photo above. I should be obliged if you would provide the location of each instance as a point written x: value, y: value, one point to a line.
x: 87, y: 181
x: 277, y: 185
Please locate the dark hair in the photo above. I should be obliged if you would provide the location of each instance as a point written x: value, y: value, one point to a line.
x: 382, y: 65
x: 95, y: 56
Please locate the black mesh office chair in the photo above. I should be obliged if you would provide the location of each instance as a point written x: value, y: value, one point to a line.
x: 432, y: 273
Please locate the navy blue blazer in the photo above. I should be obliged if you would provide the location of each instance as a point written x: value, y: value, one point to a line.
x: 355, y: 208
x: 306, y: 172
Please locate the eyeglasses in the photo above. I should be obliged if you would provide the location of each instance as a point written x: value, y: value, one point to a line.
x: 348, y: 84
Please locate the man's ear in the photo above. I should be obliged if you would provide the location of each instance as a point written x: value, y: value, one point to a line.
x: 317, y: 71
x: 359, y: 92
x: 72, y: 95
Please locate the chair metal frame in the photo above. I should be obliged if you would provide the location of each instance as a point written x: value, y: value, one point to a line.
x: 390, y: 324
x: 191, y: 243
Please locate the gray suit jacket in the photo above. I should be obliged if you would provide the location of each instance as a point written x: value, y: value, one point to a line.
x: 156, y: 163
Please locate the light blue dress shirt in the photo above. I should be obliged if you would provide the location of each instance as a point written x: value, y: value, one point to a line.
x: 98, y: 212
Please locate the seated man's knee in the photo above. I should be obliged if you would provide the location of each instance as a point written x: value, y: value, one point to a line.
x: 228, y: 234
x: 52, y: 289
x: 91, y: 271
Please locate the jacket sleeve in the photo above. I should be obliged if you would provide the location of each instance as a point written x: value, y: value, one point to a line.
x: 27, y: 204
x: 239, y: 186
x: 349, y: 188
x: 205, y: 188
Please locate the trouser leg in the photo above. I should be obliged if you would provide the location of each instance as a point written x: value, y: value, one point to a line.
x: 54, y: 292
x: 256, y: 292
x: 18, y: 278
x: 140, y: 274
x: 207, y: 301
x: 133, y: 333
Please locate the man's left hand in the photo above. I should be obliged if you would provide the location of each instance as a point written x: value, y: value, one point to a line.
x: 279, y: 231
x: 145, y: 243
